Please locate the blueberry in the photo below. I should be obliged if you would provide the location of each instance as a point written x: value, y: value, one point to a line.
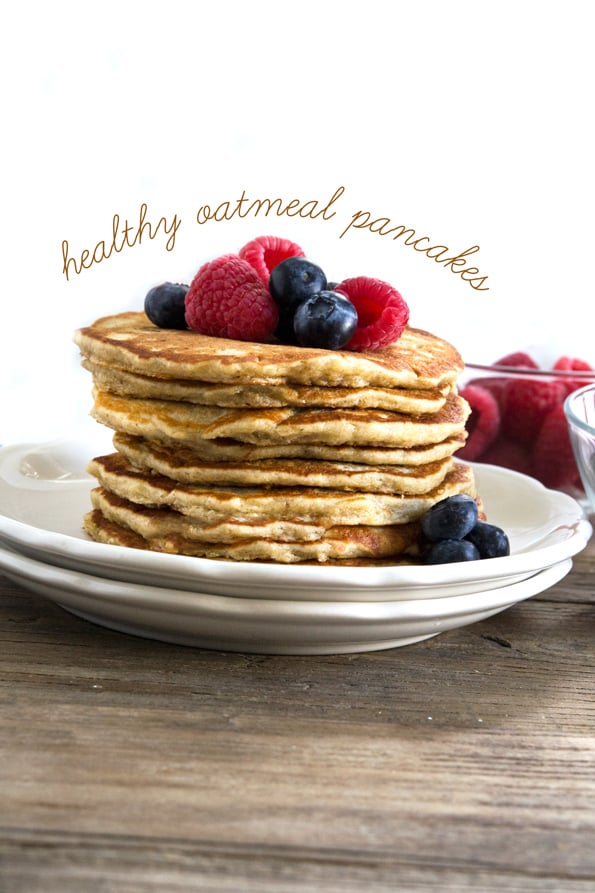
x: 164, y: 305
x: 284, y: 331
x: 295, y: 279
x: 326, y: 320
x: 489, y: 540
x: 451, y: 518
x: 447, y: 551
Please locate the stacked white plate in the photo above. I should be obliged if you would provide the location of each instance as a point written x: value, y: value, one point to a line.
x: 275, y: 609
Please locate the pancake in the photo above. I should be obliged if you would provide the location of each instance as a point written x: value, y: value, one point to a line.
x: 161, y: 419
x: 211, y: 505
x: 151, y: 522
x: 166, y: 530
x: 129, y: 341
x: 411, y: 401
x: 357, y: 543
x: 233, y: 451
x: 184, y: 465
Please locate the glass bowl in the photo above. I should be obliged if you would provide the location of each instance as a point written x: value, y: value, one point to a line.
x: 580, y: 413
x: 518, y: 420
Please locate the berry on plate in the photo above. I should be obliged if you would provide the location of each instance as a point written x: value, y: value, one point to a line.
x: 165, y: 305
x: 382, y: 312
x: 228, y: 299
x: 453, y: 532
x: 326, y: 320
x: 449, y: 551
x: 264, y: 253
x: 489, y: 540
x: 450, y: 518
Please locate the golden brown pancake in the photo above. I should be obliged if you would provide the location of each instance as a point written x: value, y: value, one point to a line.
x: 184, y: 465
x: 234, y: 451
x: 186, y: 423
x: 411, y: 401
x: 356, y: 544
x: 151, y: 521
x: 129, y: 341
x: 165, y: 530
x: 210, y: 505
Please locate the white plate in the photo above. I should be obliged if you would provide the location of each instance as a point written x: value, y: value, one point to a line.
x: 44, y: 493
x: 266, y: 626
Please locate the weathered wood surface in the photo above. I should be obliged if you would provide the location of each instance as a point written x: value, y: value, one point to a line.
x: 466, y: 762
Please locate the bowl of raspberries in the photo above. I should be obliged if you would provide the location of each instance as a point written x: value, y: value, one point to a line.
x: 518, y: 420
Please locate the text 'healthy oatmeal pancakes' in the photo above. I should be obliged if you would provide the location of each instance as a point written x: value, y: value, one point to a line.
x: 261, y: 414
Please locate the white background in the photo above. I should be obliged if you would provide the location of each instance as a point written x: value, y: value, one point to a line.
x: 468, y: 122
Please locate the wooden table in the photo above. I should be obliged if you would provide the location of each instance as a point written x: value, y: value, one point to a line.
x: 466, y: 762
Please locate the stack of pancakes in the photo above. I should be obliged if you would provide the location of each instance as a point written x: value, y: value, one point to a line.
x: 268, y: 452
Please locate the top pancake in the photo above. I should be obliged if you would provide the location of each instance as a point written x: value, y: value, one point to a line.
x: 129, y: 341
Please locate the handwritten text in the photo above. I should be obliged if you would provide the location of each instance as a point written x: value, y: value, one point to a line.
x: 439, y: 253
x: 124, y: 235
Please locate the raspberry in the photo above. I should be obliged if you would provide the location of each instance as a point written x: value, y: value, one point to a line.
x: 382, y: 312
x: 527, y: 404
x: 518, y: 359
x: 495, y: 384
x: 483, y: 424
x: 553, y: 458
x: 227, y: 299
x: 265, y: 252
x: 573, y: 364
x: 508, y: 454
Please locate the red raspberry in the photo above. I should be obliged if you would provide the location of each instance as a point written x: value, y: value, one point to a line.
x: 573, y: 364
x: 227, y: 299
x: 527, y: 404
x: 483, y: 424
x: 553, y: 458
x: 265, y: 252
x: 382, y: 312
x: 507, y: 454
x: 518, y: 359
x: 495, y: 384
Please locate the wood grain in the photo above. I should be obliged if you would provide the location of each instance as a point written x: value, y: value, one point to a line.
x: 463, y: 762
